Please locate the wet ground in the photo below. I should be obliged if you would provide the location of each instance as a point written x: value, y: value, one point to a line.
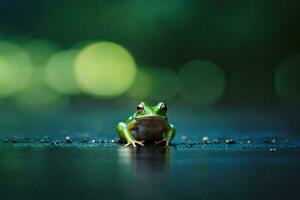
x: 35, y: 168
x: 249, y: 155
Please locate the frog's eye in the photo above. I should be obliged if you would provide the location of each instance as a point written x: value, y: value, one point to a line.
x: 163, y: 108
x: 140, y: 107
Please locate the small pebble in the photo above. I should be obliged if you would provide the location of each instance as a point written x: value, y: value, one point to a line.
x: 6, y: 140
x: 68, y: 139
x: 55, y: 142
x: 93, y: 141
x: 230, y: 141
x: 84, y: 140
x: 205, y: 140
x: 273, y: 141
x: 189, y: 145
x: 113, y: 141
x: 248, y: 141
x: 272, y: 149
x: 216, y: 141
x: 44, y: 141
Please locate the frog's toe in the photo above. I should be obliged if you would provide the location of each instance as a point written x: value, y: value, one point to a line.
x: 134, y: 143
x: 167, y: 142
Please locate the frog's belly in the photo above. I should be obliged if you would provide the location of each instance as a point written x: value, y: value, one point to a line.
x: 150, y: 131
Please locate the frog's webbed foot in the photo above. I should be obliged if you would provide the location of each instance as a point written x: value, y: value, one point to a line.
x: 134, y: 143
x: 165, y: 140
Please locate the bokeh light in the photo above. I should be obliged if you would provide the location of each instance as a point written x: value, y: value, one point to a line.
x: 287, y: 80
x: 105, y: 69
x: 15, y: 68
x: 60, y: 72
x: 153, y: 83
x: 40, y: 51
x: 142, y: 85
x: 201, y: 82
x: 38, y: 95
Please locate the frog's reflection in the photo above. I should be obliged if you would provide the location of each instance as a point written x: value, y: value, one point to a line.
x: 145, y: 159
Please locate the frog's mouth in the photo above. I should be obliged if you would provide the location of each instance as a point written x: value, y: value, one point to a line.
x: 150, y: 117
x: 152, y: 121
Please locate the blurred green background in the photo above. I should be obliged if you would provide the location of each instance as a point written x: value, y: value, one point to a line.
x: 83, y: 65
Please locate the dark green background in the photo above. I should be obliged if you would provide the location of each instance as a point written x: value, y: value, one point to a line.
x: 248, y: 39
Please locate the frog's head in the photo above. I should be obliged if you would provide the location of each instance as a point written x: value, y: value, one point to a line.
x: 151, y: 112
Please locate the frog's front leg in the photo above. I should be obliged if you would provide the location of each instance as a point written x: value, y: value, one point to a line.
x: 170, y: 134
x: 125, y: 134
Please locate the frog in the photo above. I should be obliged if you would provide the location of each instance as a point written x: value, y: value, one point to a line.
x: 148, y: 125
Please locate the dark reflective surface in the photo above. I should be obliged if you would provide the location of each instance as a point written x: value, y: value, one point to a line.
x: 148, y: 173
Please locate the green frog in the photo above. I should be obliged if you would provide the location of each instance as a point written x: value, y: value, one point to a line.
x: 149, y: 124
